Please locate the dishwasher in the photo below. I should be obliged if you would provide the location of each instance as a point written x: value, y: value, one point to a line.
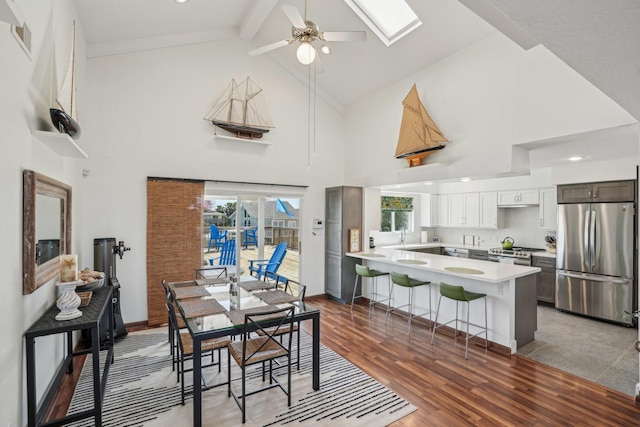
x: 457, y: 252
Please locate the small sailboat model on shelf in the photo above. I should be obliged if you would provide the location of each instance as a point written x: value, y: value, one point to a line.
x: 63, y: 118
x: 419, y: 136
x: 241, y: 110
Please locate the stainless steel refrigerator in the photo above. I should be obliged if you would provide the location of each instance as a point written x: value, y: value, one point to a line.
x: 594, y: 264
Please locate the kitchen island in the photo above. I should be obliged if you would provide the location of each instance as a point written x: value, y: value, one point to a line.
x: 510, y: 289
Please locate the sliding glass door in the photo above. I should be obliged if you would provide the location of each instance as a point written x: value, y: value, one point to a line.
x: 256, y: 225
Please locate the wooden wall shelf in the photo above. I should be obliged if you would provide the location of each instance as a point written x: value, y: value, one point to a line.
x: 61, y: 143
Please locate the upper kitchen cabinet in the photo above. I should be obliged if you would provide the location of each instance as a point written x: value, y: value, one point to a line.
x: 519, y: 197
x: 443, y: 210
x: 489, y: 209
x: 429, y: 210
x: 610, y: 191
x: 548, y: 209
x: 464, y: 210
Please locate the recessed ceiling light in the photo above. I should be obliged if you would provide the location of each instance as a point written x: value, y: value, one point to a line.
x: 325, y: 49
x: 181, y: 1
x: 428, y: 183
x: 465, y: 179
x: 575, y: 158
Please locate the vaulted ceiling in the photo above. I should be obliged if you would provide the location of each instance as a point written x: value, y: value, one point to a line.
x: 600, y: 40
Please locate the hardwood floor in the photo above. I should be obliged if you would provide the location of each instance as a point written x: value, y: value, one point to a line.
x: 488, y: 389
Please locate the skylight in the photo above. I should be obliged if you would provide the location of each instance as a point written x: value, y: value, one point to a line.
x: 389, y: 19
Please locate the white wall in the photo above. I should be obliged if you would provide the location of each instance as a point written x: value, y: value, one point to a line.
x: 27, y: 86
x: 144, y: 118
x: 485, y: 98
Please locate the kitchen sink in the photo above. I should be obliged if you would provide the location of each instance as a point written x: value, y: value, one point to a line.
x: 410, y: 261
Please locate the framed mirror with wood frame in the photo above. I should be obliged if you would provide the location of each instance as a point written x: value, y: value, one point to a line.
x: 46, y: 228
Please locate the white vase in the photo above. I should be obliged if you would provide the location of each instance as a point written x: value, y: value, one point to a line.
x: 68, y: 301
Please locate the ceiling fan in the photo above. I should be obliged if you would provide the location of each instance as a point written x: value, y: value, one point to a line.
x: 306, y: 32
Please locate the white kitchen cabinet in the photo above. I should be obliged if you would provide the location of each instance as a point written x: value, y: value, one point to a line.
x: 489, y: 209
x: 429, y: 210
x: 519, y: 197
x: 443, y: 210
x: 464, y: 210
x: 548, y: 209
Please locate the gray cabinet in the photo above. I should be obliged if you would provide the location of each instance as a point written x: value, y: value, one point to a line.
x: 546, y: 279
x: 343, y: 211
x: 434, y: 250
x: 609, y: 191
x: 479, y: 254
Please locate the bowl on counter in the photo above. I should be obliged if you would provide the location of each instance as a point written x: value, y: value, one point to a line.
x: 90, y: 286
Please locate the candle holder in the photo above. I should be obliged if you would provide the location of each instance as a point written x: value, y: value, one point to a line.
x: 68, y: 301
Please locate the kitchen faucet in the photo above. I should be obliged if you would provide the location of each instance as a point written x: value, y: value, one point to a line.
x: 403, y: 235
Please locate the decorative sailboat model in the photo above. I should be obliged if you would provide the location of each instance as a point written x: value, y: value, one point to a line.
x: 241, y: 110
x: 63, y: 118
x: 419, y: 135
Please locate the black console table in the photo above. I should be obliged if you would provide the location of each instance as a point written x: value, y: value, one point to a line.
x: 47, y: 325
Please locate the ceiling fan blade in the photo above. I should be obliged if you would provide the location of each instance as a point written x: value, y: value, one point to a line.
x: 269, y: 47
x: 294, y: 16
x: 344, y: 36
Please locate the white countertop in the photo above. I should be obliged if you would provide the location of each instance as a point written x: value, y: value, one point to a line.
x: 411, y: 246
x: 492, y: 272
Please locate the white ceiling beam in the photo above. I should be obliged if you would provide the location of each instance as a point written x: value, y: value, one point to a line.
x: 501, y: 22
x: 257, y: 13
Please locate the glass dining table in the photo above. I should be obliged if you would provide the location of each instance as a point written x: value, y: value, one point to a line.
x: 210, y: 311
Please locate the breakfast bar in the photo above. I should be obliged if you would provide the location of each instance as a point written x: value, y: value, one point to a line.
x: 510, y: 289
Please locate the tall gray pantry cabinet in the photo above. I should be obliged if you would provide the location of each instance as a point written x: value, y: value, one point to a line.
x: 343, y: 211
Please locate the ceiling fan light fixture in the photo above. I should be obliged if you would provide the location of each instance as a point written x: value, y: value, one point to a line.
x: 325, y: 49
x: 306, y: 53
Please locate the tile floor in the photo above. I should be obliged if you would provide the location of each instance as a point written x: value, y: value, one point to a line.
x: 598, y: 351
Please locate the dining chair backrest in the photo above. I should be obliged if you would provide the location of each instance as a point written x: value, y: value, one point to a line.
x: 283, y: 319
x: 295, y: 288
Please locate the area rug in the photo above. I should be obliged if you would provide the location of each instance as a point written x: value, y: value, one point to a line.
x: 142, y: 391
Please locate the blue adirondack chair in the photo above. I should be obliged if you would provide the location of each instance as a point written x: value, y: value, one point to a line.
x: 227, y: 254
x: 250, y: 237
x: 216, y: 238
x: 264, y: 269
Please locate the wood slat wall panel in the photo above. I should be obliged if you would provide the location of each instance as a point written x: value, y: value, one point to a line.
x: 174, y: 234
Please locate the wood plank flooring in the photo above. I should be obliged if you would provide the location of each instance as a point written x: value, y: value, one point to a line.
x: 488, y: 389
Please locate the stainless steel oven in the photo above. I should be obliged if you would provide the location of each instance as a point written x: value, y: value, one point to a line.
x: 517, y: 256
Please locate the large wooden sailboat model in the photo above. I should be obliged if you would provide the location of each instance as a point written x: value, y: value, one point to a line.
x: 419, y: 136
x: 64, y: 118
x: 241, y: 110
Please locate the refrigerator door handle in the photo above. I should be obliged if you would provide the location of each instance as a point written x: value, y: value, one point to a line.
x: 586, y: 251
x: 593, y: 242
x: 593, y: 278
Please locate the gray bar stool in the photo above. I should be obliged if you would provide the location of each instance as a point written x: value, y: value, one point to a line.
x: 364, y: 271
x: 407, y: 282
x: 458, y: 294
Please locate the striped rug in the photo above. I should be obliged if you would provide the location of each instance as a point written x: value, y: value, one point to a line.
x: 142, y: 391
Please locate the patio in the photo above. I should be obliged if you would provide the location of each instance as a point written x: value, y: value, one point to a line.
x: 288, y: 268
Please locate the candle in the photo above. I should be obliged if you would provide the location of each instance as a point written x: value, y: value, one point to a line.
x: 68, y: 268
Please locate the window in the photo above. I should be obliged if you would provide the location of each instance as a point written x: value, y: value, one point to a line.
x: 397, y: 213
x: 390, y: 20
